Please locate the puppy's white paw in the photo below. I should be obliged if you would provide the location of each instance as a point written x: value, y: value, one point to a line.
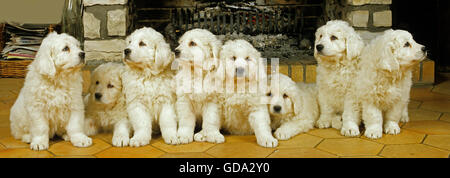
x: 350, y: 129
x: 374, y: 132
x: 284, y: 133
x: 26, y: 138
x: 39, y: 143
x: 323, y: 123
x: 336, y: 123
x: 66, y: 137
x: 80, y: 140
x: 391, y: 128
x: 171, y: 139
x: 209, y: 136
x: 267, y: 141
x: 120, y: 140
x: 139, y: 140
x: 185, y: 136
x: 404, y: 119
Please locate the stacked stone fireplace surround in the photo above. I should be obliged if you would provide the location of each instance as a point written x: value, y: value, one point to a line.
x: 108, y: 22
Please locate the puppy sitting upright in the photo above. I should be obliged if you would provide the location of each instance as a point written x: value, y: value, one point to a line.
x: 337, y: 50
x: 196, y: 96
x: 50, y: 101
x: 293, y: 107
x: 149, y: 86
x: 106, y: 108
x: 383, y: 82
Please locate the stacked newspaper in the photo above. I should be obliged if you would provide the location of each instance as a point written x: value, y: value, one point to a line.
x: 23, y: 41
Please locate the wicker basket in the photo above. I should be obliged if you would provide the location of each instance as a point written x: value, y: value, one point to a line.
x: 14, y: 68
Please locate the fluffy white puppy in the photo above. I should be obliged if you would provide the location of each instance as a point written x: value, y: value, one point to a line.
x: 244, y: 74
x: 337, y: 48
x: 106, y: 107
x: 50, y: 101
x: 198, y: 56
x: 383, y: 82
x: 148, y: 84
x: 293, y: 107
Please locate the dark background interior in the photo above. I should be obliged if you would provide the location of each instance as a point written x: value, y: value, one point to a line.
x: 429, y: 22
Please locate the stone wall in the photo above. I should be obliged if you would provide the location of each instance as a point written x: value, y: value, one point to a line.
x: 105, y: 28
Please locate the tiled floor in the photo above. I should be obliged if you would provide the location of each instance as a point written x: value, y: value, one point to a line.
x: 426, y: 135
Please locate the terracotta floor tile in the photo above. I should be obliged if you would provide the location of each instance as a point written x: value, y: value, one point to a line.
x: 442, y: 88
x: 4, y: 121
x: 300, y: 153
x: 130, y: 152
x: 425, y: 94
x: 24, y: 153
x: 429, y: 127
x: 240, y: 138
x: 326, y: 133
x: 76, y: 156
x: 186, y: 155
x: 10, y: 142
x: 404, y: 137
x: 191, y: 147
x: 414, y: 104
x: 350, y: 147
x: 239, y: 150
x: 369, y: 156
x: 445, y: 117
x: 420, y: 115
x: 5, y: 132
x: 301, y: 140
x: 436, y: 105
x: 413, y: 151
x: 4, y: 109
x: 440, y: 141
x: 66, y: 148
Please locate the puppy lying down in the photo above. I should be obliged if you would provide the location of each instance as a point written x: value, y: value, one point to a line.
x: 105, y: 104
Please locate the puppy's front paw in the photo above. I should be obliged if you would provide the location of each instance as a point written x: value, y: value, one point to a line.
x: 120, y: 140
x: 39, y: 143
x: 323, y: 123
x: 171, y: 139
x: 139, y: 140
x: 80, y: 140
x: 391, y: 128
x: 267, y: 141
x: 283, y: 133
x: 213, y: 137
x: 374, y: 132
x: 404, y: 119
x: 185, y: 136
x: 336, y: 123
x: 350, y: 129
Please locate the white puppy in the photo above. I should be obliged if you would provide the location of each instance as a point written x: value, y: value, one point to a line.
x: 293, y: 107
x: 50, y: 101
x: 196, y: 97
x: 337, y: 48
x: 149, y: 86
x: 243, y: 71
x: 106, y: 107
x: 383, y: 82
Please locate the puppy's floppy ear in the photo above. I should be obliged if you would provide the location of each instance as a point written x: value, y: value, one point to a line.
x: 294, y: 95
x: 163, y: 55
x: 387, y: 59
x: 354, y: 44
x: 44, y: 56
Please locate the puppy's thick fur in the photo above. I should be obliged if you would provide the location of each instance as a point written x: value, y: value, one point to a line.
x: 337, y: 50
x: 293, y: 107
x: 149, y: 86
x: 244, y: 74
x: 106, y: 107
x: 50, y: 101
x: 198, y: 60
x: 383, y: 83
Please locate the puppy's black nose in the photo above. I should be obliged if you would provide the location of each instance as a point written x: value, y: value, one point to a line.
x: 177, y: 53
x: 277, y: 108
x: 240, y: 71
x: 424, y: 49
x: 319, y: 47
x: 82, y: 55
x: 127, y: 52
x: 98, y: 96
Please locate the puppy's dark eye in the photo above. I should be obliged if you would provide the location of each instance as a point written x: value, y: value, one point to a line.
x: 247, y: 58
x: 234, y: 58
x: 407, y: 45
x: 285, y: 96
x: 110, y: 86
x: 66, y: 48
x: 97, y: 82
x: 332, y: 38
x: 142, y: 44
x: 192, y: 43
x: 269, y: 94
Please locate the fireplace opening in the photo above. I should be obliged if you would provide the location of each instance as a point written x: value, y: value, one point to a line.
x: 284, y: 31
